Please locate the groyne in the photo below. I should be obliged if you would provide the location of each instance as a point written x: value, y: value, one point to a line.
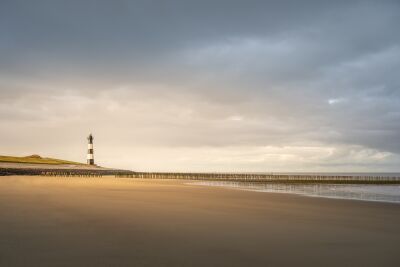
x: 62, y: 172
x: 266, y: 178
x: 229, y: 177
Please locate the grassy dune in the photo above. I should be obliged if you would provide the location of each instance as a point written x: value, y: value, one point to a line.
x: 35, y: 159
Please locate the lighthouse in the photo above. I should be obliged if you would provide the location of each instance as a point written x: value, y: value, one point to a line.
x: 90, y: 158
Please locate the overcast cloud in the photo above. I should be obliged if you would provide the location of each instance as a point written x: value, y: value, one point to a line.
x: 203, y: 85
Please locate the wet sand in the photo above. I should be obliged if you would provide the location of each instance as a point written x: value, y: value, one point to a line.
x: 47, y: 221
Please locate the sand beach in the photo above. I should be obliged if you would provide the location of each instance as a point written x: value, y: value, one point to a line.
x: 53, y: 221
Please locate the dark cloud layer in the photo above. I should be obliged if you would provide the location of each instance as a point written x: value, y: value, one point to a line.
x: 223, y: 85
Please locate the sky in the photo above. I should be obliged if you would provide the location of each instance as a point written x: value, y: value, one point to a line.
x: 210, y: 85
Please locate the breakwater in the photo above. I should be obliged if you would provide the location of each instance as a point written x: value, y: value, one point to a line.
x: 266, y: 178
x: 62, y: 172
x: 228, y: 177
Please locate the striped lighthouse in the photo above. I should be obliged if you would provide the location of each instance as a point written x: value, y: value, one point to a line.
x: 90, y: 158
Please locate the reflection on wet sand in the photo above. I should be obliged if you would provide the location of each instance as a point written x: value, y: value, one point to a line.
x: 385, y: 193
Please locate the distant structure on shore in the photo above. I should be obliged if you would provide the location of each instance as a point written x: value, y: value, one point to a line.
x: 90, y: 158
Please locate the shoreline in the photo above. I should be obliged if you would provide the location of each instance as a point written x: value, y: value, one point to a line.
x: 243, y: 186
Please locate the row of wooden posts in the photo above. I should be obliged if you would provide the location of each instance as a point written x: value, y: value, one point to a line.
x: 243, y: 177
x: 235, y: 177
x: 71, y: 174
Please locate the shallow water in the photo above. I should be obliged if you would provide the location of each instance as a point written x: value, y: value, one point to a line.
x: 383, y: 193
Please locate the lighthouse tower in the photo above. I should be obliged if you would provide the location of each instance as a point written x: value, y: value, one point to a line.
x: 90, y: 158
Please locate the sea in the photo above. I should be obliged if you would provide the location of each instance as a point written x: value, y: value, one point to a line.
x: 367, y: 192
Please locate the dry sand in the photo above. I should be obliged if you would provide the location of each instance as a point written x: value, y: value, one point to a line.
x: 130, y: 222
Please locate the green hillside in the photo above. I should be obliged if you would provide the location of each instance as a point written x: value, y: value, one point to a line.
x: 36, y: 159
